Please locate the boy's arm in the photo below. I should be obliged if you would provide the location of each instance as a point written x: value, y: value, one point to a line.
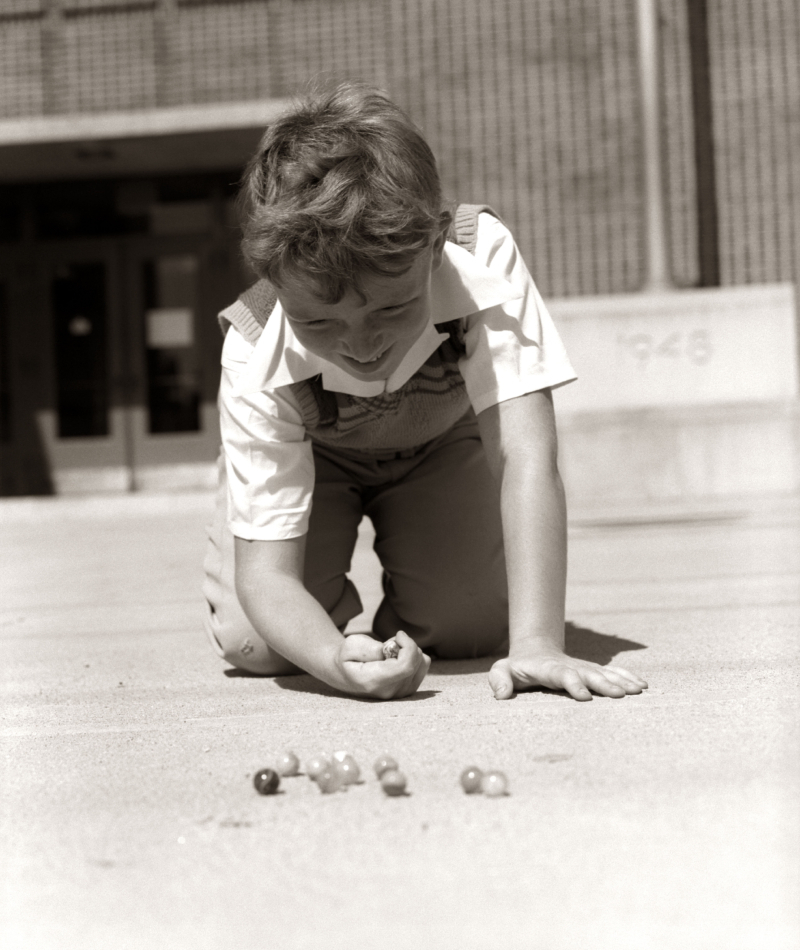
x: 269, y: 584
x: 519, y: 436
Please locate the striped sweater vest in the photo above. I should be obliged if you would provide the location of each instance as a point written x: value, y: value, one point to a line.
x: 425, y: 407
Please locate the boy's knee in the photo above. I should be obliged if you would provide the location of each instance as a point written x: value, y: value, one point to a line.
x: 237, y: 643
x: 453, y: 631
x: 466, y: 636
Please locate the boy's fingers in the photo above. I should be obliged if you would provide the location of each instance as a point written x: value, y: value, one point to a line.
x: 600, y: 683
x: 641, y: 683
x: 575, y: 686
x: 413, y: 657
x: 409, y: 684
x: 420, y: 674
x: 500, y: 681
x: 361, y: 648
x: 403, y: 639
x: 409, y: 653
x: 578, y: 681
x: 399, y: 676
x: 628, y: 683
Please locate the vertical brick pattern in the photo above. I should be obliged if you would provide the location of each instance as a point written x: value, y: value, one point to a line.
x: 679, y: 184
x: 21, y: 87
x: 755, y: 75
x: 332, y: 39
x: 222, y: 52
x: 109, y: 60
x: 755, y: 87
x: 533, y: 108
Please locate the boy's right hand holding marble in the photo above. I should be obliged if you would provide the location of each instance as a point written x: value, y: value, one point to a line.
x: 271, y: 590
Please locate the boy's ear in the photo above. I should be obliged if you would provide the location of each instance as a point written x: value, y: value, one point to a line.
x: 437, y: 248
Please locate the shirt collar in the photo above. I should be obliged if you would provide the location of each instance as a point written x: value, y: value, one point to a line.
x: 459, y: 287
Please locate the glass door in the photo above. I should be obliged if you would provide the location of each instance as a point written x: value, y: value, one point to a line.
x: 83, y: 424
x: 175, y: 287
x: 129, y: 333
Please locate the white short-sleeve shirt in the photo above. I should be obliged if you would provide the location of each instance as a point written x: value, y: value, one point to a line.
x: 512, y: 348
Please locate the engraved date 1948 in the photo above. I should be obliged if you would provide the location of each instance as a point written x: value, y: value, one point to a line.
x: 694, y: 346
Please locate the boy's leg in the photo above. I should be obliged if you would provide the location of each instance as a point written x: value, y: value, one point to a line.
x: 333, y: 528
x: 439, y: 538
x: 332, y: 532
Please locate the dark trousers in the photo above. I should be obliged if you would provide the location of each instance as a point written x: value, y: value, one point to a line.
x: 436, y: 514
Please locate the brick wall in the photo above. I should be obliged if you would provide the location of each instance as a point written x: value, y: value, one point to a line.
x: 530, y: 105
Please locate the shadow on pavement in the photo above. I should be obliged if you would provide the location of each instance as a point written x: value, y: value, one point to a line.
x: 581, y: 642
x: 462, y: 667
x: 303, y: 683
x: 586, y: 644
x: 307, y: 684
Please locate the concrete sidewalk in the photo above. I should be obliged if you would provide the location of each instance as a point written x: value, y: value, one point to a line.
x: 659, y: 821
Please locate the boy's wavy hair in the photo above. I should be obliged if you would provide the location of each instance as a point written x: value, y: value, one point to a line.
x: 341, y: 186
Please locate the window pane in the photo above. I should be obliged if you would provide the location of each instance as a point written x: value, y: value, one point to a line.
x: 173, y: 384
x: 79, y: 316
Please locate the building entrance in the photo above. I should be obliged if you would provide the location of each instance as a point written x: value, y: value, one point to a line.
x: 111, y: 364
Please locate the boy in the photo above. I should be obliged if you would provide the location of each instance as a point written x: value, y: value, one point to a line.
x: 402, y: 375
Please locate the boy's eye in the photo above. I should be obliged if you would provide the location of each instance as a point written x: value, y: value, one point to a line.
x: 314, y: 324
x: 393, y: 311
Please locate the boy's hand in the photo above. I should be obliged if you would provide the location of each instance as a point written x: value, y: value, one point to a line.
x: 528, y: 666
x: 362, y: 663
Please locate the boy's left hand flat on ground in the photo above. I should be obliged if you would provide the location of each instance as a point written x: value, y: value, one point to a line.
x: 555, y: 670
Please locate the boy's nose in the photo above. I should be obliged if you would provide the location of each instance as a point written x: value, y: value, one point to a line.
x: 364, y: 350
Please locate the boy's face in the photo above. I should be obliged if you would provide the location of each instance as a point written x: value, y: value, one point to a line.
x: 367, y: 338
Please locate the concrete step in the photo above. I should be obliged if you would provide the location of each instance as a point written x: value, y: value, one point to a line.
x: 686, y: 454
